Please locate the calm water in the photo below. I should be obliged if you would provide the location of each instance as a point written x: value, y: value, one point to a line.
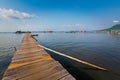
x: 97, y: 48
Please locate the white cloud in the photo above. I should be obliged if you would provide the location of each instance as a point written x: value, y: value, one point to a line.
x: 115, y: 21
x: 14, y: 14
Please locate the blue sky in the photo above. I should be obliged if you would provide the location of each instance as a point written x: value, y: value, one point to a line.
x: 60, y: 15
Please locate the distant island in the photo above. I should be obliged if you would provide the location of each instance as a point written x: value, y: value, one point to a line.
x: 72, y: 31
x: 19, y: 32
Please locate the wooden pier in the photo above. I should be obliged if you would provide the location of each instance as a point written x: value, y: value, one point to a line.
x: 32, y: 62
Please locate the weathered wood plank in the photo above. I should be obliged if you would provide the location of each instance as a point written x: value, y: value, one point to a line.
x: 33, y: 71
x: 56, y: 76
x: 21, y: 68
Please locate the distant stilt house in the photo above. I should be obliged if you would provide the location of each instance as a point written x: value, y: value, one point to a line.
x: 112, y: 31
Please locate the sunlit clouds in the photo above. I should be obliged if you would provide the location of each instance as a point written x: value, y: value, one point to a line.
x: 14, y: 14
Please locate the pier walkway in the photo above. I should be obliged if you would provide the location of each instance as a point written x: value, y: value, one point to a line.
x: 32, y: 62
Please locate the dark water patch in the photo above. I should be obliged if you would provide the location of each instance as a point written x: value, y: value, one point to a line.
x: 4, y: 64
x: 5, y: 59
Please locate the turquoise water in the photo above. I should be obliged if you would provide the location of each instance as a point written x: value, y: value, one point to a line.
x: 97, y: 48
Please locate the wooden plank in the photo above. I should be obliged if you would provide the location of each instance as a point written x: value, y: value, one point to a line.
x: 44, y: 72
x: 24, y: 67
x: 32, y: 62
x: 56, y: 76
x: 68, y: 77
x: 40, y: 52
x: 28, y: 52
x: 34, y: 70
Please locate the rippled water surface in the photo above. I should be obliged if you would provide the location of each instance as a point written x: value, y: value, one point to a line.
x: 97, y: 48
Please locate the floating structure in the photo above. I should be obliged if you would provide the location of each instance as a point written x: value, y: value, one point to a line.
x: 34, y: 35
x: 32, y: 62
